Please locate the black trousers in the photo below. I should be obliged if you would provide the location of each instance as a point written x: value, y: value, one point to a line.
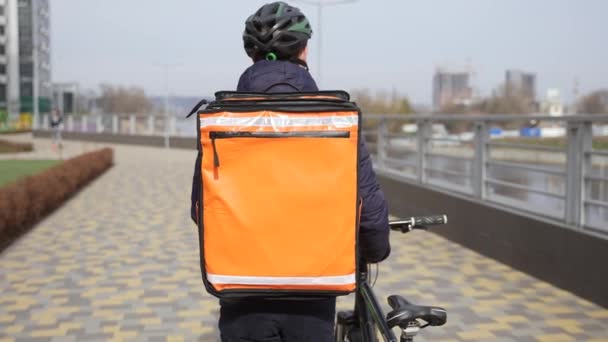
x: 259, y: 320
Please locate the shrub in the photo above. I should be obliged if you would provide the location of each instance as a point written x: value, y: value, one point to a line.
x: 13, y: 147
x: 25, y: 202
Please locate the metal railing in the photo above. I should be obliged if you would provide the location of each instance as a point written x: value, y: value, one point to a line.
x: 124, y: 124
x: 130, y: 124
x: 567, y: 182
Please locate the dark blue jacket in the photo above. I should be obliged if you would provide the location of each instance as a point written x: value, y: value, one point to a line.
x: 284, y: 76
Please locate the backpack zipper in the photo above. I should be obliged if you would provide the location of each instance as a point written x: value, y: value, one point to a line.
x: 298, y: 134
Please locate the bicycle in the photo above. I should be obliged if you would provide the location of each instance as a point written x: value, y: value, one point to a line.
x: 360, y: 324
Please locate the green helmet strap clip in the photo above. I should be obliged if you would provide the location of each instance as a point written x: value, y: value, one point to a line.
x: 271, y: 56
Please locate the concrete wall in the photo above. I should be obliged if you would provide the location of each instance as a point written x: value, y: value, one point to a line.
x: 570, y: 259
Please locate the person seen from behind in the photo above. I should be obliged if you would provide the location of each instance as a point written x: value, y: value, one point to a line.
x: 56, y: 120
x: 276, y: 38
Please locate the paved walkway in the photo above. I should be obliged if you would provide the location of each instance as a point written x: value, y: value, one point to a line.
x: 119, y: 261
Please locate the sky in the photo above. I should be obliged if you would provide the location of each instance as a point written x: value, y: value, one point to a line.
x: 374, y: 44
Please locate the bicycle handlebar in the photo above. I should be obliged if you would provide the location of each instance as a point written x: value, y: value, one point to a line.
x: 420, y: 222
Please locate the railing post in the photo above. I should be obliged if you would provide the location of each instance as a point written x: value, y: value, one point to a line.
x: 115, y: 124
x: 84, y: 123
x: 579, y: 135
x: 35, y: 121
x: 45, y: 121
x: 132, y: 124
x: 381, y: 142
x: 587, y: 167
x: 70, y: 123
x: 425, y: 131
x: 98, y: 124
x: 172, y: 125
x: 151, y: 124
x: 166, y: 132
x: 479, y: 171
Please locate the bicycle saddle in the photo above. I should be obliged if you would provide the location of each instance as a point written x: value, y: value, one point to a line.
x: 404, y: 313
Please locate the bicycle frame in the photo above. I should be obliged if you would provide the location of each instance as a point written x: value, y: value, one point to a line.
x: 369, y: 310
x: 368, y: 313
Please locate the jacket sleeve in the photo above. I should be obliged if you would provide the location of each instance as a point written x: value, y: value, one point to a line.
x: 195, y: 189
x: 374, y: 231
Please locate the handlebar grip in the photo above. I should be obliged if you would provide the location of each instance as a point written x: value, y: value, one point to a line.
x: 424, y: 221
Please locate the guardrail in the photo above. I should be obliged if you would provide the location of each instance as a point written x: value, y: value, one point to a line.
x: 567, y: 182
x: 132, y: 124
x: 123, y: 124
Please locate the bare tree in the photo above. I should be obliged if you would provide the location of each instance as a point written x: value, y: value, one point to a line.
x: 594, y: 103
x: 506, y: 100
x: 119, y: 99
x: 381, y: 102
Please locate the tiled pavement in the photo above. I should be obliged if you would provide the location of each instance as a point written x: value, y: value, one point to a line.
x: 119, y: 262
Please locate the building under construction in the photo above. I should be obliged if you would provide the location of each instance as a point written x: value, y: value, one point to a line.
x: 451, y: 87
x: 25, y: 56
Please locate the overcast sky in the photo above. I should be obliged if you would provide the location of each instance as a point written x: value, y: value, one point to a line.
x: 378, y: 44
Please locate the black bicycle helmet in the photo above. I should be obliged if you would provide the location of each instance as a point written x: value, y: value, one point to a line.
x: 276, y: 31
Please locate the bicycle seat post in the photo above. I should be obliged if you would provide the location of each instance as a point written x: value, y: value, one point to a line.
x: 407, y: 334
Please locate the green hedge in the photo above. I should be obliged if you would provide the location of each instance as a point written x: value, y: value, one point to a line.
x: 11, y: 130
x: 14, y: 147
x: 26, y: 201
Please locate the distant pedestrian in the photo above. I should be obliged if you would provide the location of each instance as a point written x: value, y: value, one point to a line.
x: 56, y: 120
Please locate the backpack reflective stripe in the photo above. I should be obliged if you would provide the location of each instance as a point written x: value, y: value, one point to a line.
x: 279, y: 121
x: 326, y: 280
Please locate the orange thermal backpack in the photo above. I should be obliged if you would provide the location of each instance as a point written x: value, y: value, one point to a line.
x: 279, y: 194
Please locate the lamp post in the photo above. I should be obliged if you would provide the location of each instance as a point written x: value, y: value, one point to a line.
x: 35, y: 66
x: 166, y: 67
x: 320, y: 4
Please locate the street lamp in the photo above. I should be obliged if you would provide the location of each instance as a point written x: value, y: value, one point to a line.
x: 166, y: 66
x: 35, y: 66
x: 320, y: 4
